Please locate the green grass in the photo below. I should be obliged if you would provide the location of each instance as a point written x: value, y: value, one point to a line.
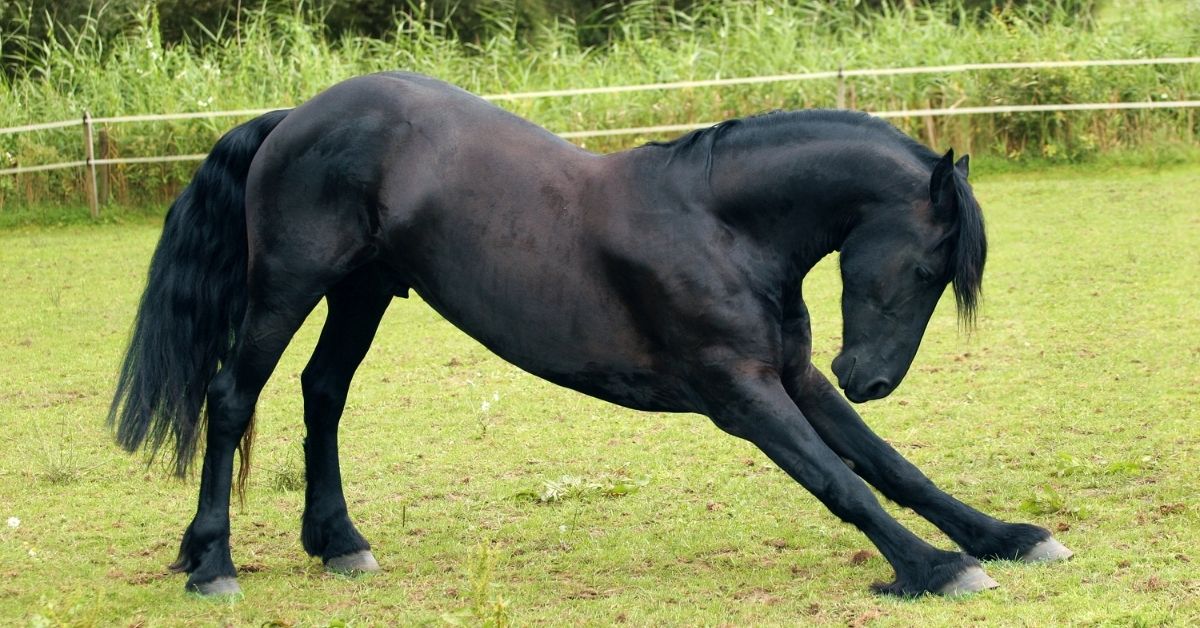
x: 1073, y: 406
x: 281, y: 60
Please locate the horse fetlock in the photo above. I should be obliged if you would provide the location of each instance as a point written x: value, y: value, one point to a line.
x: 331, y: 536
x: 209, y: 567
x: 204, y: 548
x: 1015, y: 541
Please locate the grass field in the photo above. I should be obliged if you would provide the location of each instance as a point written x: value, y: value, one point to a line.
x: 1074, y: 406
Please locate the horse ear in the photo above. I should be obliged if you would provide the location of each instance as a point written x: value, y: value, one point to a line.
x: 964, y: 165
x: 941, y: 188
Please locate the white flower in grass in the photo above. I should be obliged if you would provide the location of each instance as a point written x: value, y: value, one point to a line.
x: 485, y: 406
x: 14, y: 522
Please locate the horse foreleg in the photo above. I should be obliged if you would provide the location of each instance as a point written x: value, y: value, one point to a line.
x: 982, y: 536
x: 758, y: 408
x: 204, y: 552
x: 356, y: 306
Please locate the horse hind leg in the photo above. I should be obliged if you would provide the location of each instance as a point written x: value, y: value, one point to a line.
x: 272, y: 317
x: 287, y: 279
x: 356, y: 306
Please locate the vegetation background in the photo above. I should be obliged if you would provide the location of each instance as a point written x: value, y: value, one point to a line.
x: 130, y: 56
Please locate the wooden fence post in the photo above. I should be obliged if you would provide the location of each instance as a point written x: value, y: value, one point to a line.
x: 841, y: 89
x: 89, y: 177
x: 930, y: 128
x: 106, y: 152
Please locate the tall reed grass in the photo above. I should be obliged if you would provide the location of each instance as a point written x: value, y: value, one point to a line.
x: 267, y: 60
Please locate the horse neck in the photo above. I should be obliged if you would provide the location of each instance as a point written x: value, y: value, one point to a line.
x: 804, y: 200
x: 800, y: 201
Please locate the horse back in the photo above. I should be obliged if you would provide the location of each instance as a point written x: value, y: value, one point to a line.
x: 517, y: 237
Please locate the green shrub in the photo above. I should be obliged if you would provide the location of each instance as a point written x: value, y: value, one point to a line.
x: 283, y: 58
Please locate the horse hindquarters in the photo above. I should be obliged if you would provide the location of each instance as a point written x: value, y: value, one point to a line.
x: 287, y: 250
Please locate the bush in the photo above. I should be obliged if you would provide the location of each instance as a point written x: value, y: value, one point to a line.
x: 282, y: 58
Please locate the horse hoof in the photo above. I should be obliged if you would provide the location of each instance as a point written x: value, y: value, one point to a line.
x: 221, y: 586
x: 972, y: 580
x: 1047, y: 551
x: 351, y: 564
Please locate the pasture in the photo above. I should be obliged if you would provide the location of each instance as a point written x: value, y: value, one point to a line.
x: 492, y: 497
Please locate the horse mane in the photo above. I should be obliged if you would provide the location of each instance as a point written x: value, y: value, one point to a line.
x: 970, y: 251
x: 779, y: 126
x: 969, y: 241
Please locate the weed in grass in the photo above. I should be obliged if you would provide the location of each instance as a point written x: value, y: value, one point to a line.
x: 58, y: 462
x: 59, y: 473
x: 486, y: 418
x: 1129, y: 467
x: 1045, y: 501
x: 51, y: 615
x: 289, y: 477
x: 569, y: 487
x: 1067, y: 464
x: 487, y: 608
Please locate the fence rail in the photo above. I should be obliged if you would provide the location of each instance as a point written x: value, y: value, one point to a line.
x: 841, y: 75
x: 914, y: 113
x: 828, y: 74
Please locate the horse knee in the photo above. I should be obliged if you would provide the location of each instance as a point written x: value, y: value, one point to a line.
x: 229, y: 410
x: 322, y: 394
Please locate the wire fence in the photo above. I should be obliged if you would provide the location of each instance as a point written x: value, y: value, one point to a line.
x: 913, y: 113
x: 90, y: 162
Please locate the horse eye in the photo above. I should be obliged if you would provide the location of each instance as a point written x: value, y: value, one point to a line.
x: 924, y: 273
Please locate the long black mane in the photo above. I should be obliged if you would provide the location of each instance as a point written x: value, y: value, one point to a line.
x: 969, y: 241
x: 778, y: 127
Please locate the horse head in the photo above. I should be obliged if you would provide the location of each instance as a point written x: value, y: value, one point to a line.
x: 895, y: 264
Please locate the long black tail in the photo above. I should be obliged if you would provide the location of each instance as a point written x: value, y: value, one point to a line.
x: 194, y: 302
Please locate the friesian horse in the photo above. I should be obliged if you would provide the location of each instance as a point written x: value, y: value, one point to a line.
x: 666, y: 278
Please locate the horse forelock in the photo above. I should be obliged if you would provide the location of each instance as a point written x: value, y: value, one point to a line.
x: 970, y: 252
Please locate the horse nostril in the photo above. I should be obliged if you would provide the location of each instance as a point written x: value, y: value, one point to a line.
x: 844, y: 372
x: 879, y: 388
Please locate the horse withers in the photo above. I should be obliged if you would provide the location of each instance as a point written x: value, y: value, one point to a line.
x: 665, y: 278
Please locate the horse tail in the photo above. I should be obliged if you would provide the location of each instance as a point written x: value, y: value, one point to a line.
x: 192, y: 307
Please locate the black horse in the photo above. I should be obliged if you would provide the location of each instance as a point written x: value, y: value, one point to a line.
x: 663, y: 278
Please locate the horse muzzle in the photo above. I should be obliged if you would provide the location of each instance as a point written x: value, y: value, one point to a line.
x: 859, y: 384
